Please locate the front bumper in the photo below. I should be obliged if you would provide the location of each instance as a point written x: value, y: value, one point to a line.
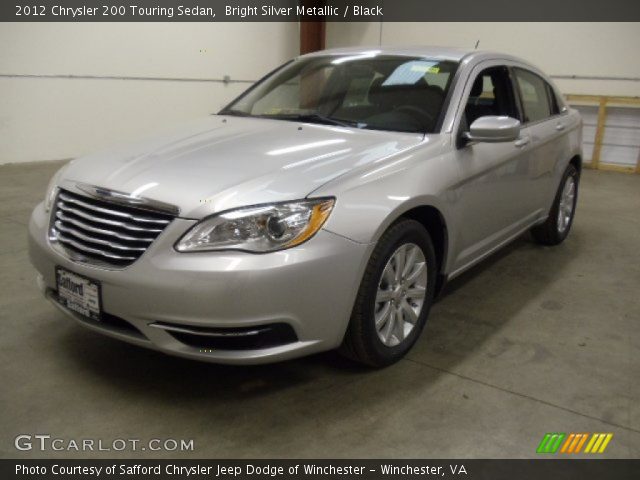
x: 310, y: 288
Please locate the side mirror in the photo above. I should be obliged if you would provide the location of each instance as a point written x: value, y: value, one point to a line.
x: 493, y: 129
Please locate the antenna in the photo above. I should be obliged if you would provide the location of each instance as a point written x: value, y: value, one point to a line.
x: 477, y: 43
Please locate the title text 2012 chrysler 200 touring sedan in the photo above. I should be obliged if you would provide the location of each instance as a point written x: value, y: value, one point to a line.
x: 323, y: 208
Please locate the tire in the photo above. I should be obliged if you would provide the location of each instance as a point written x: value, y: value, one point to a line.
x: 382, y: 345
x: 554, y: 230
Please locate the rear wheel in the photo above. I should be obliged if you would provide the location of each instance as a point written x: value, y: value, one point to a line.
x: 556, y: 228
x: 394, y: 298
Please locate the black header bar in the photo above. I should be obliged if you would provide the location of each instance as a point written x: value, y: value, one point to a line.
x: 315, y: 10
x: 556, y: 469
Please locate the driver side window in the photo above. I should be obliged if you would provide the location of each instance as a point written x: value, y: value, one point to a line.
x: 491, y: 94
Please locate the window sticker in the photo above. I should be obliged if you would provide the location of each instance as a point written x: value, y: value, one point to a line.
x: 410, y: 72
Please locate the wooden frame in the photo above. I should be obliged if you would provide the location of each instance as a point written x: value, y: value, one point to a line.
x: 312, y: 31
x: 604, y: 101
x: 312, y: 36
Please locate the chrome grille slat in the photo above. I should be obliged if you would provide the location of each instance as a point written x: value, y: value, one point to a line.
x: 108, y: 211
x: 98, y: 231
x: 81, y: 236
x: 85, y: 226
x: 97, y: 251
x: 116, y: 223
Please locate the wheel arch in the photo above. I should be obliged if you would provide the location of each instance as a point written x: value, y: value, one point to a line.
x: 434, y: 222
x: 576, y: 161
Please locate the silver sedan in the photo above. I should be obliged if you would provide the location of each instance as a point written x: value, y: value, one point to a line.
x: 324, y: 208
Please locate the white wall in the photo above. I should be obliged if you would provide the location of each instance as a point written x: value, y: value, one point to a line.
x: 56, y: 118
x: 582, y: 49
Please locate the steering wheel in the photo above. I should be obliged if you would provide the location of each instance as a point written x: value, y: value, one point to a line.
x: 425, y: 118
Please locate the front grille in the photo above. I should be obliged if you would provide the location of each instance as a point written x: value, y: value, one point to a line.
x: 97, y: 231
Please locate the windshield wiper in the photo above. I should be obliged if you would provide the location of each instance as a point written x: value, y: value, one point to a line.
x: 314, y: 117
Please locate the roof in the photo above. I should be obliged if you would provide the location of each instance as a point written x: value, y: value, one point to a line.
x: 431, y: 52
x: 444, y: 53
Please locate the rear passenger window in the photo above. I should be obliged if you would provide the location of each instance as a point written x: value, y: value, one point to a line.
x: 555, y: 109
x: 534, y: 92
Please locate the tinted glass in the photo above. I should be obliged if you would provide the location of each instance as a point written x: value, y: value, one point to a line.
x: 376, y: 92
x: 555, y: 109
x: 491, y: 94
x: 534, y: 95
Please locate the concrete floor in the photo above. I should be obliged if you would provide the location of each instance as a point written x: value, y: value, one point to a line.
x: 534, y: 340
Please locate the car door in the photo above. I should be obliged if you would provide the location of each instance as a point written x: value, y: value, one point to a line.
x: 547, y: 126
x: 492, y: 200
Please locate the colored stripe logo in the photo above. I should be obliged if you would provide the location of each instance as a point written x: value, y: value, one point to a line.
x: 574, y: 442
x: 598, y: 443
x: 550, y: 443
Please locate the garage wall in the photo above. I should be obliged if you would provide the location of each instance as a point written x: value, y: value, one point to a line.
x: 603, y: 57
x: 134, y: 79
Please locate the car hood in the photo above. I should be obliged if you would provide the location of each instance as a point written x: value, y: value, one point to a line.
x: 224, y: 162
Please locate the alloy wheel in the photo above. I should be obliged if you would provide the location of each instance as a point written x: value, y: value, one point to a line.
x: 567, y: 200
x: 400, y: 296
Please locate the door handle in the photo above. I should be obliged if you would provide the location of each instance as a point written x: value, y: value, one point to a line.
x: 560, y: 126
x: 522, y: 142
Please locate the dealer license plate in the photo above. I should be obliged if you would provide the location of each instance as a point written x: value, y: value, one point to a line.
x: 78, y: 293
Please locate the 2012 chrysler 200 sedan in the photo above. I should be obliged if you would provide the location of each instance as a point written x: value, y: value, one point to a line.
x: 325, y: 207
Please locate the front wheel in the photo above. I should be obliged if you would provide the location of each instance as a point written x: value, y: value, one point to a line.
x: 556, y: 228
x: 394, y: 298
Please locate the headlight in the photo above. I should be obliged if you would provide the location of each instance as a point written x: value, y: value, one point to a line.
x: 263, y: 228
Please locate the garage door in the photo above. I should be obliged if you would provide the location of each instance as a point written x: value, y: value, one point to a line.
x: 621, y: 138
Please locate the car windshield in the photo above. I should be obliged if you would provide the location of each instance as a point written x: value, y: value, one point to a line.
x: 381, y: 92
